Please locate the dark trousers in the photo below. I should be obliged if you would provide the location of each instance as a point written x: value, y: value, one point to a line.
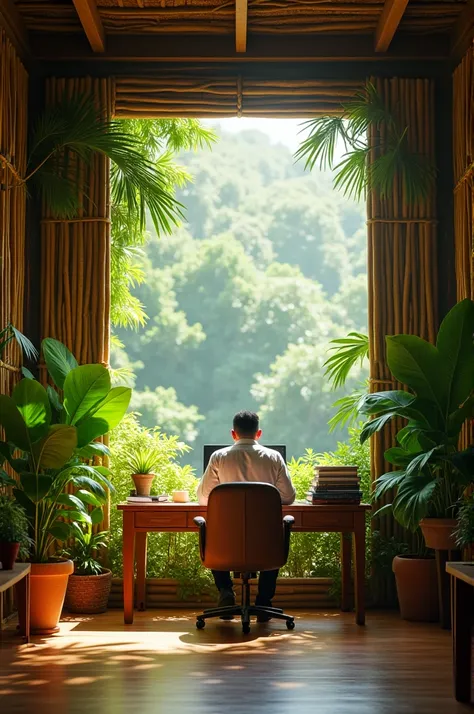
x: 266, y: 584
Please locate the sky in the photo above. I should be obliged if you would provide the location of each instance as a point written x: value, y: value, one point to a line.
x: 283, y: 131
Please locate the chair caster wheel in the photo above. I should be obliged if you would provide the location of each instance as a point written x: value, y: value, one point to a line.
x: 290, y: 624
x: 246, y: 628
x: 200, y: 624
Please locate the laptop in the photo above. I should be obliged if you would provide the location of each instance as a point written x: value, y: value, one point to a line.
x: 209, y: 449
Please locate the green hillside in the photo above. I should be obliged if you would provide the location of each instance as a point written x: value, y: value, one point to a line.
x: 244, y: 297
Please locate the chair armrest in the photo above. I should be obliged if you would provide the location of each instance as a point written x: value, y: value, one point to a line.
x: 288, y: 522
x: 201, y: 524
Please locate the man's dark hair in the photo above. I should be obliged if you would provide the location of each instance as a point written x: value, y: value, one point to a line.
x: 246, y: 424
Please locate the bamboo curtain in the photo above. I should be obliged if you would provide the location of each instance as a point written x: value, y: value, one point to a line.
x: 13, y: 140
x: 187, y: 93
x: 402, y: 258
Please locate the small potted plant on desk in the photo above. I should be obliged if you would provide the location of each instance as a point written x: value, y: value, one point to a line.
x: 88, y: 588
x: 142, y: 462
x: 47, y: 440
x: 14, y: 538
x: 432, y: 474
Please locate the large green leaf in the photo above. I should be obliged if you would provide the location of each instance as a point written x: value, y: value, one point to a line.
x: 387, y: 481
x: 36, y: 486
x: 24, y: 501
x: 13, y: 423
x: 413, y: 500
x: 374, y: 425
x: 398, y: 456
x: 97, y: 516
x: 418, y: 463
x: 91, y: 499
x: 379, y: 402
x: 60, y: 530
x: 71, y: 500
x: 84, y: 389
x: 32, y: 402
x: 95, y: 448
x: 59, y: 360
x: 418, y: 364
x: 94, y: 487
x: 456, y: 346
x: 105, y: 417
x: 56, y: 448
x: 6, y: 480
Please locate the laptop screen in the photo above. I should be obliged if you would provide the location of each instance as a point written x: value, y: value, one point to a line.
x: 210, y: 448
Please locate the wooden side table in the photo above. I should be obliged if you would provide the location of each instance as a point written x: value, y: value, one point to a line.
x: 462, y: 604
x: 20, y: 578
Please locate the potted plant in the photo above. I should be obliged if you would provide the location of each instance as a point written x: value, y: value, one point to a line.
x: 88, y: 587
x: 13, y: 532
x: 142, y: 461
x: 432, y: 473
x: 53, y: 434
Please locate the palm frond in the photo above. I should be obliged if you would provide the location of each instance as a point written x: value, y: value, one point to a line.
x: 9, y: 333
x: 57, y: 191
x: 320, y: 145
x: 347, y: 351
x: 366, y: 109
x: 346, y: 409
x: 351, y: 174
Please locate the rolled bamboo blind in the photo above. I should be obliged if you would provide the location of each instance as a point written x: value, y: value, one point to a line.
x: 13, y: 140
x: 402, y: 258
x: 75, y: 254
x: 188, y: 93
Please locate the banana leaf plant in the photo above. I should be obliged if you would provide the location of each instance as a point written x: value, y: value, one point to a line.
x: 49, y: 437
x: 432, y: 473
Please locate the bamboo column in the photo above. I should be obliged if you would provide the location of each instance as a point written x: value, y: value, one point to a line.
x: 402, y: 258
x: 13, y: 139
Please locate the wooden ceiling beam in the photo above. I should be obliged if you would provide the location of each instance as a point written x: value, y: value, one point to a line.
x: 16, y: 31
x: 90, y: 20
x: 463, y: 32
x: 241, y: 9
x: 388, y: 23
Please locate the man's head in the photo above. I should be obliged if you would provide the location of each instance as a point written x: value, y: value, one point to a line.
x: 246, y: 426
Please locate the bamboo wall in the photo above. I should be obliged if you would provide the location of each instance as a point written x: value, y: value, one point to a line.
x: 402, y: 258
x: 13, y: 146
x: 463, y: 166
x: 13, y: 139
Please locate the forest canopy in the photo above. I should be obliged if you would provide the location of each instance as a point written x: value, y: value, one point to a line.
x: 243, y: 298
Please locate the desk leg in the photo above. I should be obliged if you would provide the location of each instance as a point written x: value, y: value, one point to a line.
x: 128, y: 565
x: 23, y: 602
x: 140, y: 555
x: 346, y: 571
x: 462, y: 623
x: 359, y: 567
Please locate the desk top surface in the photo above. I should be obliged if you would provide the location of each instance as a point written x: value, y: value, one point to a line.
x: 463, y: 571
x: 10, y: 577
x: 298, y: 506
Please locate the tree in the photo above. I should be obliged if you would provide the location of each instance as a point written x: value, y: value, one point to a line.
x: 162, y: 408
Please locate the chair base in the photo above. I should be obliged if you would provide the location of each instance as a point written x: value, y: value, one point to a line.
x: 245, y: 611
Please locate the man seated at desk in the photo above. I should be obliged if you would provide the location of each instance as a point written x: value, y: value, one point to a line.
x: 246, y: 460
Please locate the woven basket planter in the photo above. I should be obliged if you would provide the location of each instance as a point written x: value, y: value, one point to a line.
x: 88, y: 594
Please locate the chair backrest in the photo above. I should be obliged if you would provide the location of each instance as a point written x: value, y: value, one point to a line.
x: 244, y: 528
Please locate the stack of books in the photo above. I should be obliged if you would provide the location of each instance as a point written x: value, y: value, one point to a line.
x: 338, y: 485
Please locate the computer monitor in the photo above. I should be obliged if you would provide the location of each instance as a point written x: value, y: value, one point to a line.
x: 210, y: 448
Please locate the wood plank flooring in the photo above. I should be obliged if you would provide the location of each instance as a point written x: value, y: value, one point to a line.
x: 162, y: 664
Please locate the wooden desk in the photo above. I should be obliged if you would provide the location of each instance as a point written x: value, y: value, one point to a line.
x: 20, y: 577
x: 141, y: 518
x: 462, y: 606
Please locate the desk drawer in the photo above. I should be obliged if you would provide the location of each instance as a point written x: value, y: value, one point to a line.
x: 328, y: 521
x: 165, y: 519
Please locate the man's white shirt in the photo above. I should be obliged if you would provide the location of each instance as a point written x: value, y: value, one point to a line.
x: 247, y: 461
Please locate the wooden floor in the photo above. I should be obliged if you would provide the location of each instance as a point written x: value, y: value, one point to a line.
x: 162, y: 664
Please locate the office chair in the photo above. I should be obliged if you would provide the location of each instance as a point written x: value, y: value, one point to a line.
x: 245, y: 532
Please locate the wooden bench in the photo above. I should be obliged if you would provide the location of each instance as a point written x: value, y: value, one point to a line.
x: 20, y: 578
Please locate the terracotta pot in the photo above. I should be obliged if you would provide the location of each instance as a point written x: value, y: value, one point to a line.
x: 88, y: 594
x: 438, y: 533
x: 8, y: 554
x: 143, y: 483
x: 417, y: 588
x: 48, y: 588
